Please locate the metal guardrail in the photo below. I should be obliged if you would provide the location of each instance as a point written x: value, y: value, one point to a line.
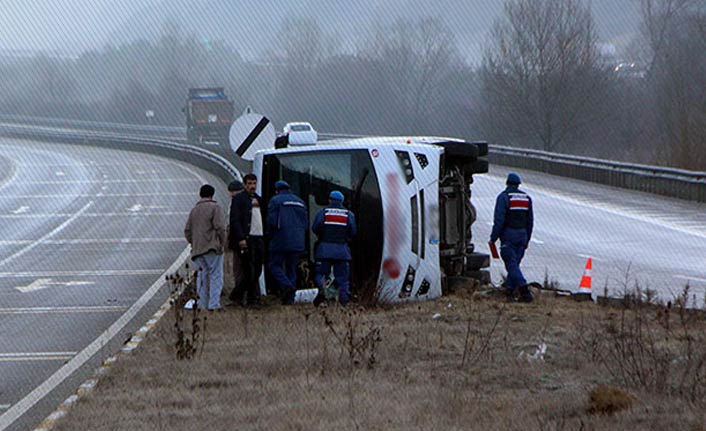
x: 671, y: 182
x: 196, y: 156
x: 172, y: 132
x: 677, y: 183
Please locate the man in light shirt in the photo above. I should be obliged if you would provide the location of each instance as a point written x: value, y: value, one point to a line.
x: 248, y: 231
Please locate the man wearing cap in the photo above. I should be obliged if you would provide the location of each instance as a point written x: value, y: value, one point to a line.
x: 205, y: 231
x: 234, y: 188
x: 334, y: 226
x: 513, y: 223
x: 287, y: 220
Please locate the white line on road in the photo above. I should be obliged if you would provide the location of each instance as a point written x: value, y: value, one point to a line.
x: 62, y: 310
x: 125, y: 181
x: 95, y: 241
x: 64, y: 215
x: 536, y: 241
x: 26, y: 403
x: 47, y: 236
x: 60, y: 174
x: 607, y: 208
x: 20, y: 210
x: 43, y: 283
x: 52, y: 274
x: 686, y: 277
x: 119, y: 195
x: 23, y: 354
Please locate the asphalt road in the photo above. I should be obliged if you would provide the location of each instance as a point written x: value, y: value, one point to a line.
x: 84, y: 233
x: 634, y: 238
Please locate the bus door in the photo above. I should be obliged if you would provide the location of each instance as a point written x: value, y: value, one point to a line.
x: 312, y: 175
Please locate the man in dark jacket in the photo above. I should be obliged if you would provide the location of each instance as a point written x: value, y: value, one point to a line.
x: 513, y: 224
x: 287, y: 222
x: 246, y: 235
x: 334, y: 226
x: 235, y: 188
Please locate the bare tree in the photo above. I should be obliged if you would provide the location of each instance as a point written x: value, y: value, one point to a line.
x: 417, y: 59
x: 674, y: 30
x: 541, y: 73
x: 303, y: 44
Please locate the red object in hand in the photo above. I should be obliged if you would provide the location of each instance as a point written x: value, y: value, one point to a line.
x: 493, y: 250
x: 391, y: 268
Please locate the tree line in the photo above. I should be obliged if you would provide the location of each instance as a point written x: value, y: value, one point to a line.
x: 542, y: 83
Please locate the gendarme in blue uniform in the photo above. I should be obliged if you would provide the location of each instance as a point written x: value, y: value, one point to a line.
x: 287, y: 221
x: 334, y: 226
x: 513, y: 223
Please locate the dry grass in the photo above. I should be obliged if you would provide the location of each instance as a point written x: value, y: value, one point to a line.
x: 300, y: 368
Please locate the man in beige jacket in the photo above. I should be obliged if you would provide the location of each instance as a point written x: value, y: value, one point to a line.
x: 205, y: 230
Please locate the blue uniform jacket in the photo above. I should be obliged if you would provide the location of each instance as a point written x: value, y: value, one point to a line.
x: 287, y: 220
x: 332, y: 250
x: 512, y: 199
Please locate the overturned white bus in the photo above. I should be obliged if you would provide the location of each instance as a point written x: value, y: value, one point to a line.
x: 412, y: 201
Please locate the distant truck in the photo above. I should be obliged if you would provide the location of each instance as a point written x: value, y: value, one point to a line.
x: 209, y: 115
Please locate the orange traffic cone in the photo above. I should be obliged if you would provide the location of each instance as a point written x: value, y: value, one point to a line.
x: 585, y: 284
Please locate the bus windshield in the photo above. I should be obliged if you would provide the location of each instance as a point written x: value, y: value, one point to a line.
x: 312, y: 176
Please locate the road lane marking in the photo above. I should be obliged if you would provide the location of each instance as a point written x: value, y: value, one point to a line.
x: 60, y: 174
x: 41, y: 391
x: 119, y: 195
x: 56, y: 230
x: 43, y: 283
x: 94, y: 241
x: 686, y: 277
x: 92, y: 215
x: 113, y: 214
x: 605, y: 207
x: 124, y: 181
x: 536, y: 241
x: 10, y: 178
x: 54, y: 274
x: 36, y: 356
x: 63, y: 310
x: 20, y: 210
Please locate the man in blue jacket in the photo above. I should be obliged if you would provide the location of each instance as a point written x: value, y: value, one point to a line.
x: 334, y: 226
x: 287, y: 220
x: 513, y: 223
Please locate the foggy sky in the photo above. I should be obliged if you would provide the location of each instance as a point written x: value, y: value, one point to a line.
x: 74, y: 26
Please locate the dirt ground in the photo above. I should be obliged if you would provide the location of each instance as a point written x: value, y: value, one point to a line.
x: 465, y: 362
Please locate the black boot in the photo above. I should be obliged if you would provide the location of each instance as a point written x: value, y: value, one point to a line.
x: 525, y: 294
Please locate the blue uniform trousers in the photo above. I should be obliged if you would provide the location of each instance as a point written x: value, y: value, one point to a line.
x: 341, y: 271
x: 512, y: 250
x: 283, y: 267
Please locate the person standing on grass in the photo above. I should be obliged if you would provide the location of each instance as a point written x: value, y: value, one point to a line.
x: 234, y: 188
x: 334, y: 226
x: 205, y: 231
x: 248, y: 230
x: 513, y: 224
x: 287, y: 222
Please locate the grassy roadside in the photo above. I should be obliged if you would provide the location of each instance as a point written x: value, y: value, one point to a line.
x: 470, y: 367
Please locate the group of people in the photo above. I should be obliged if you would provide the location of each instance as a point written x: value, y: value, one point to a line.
x: 284, y: 226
